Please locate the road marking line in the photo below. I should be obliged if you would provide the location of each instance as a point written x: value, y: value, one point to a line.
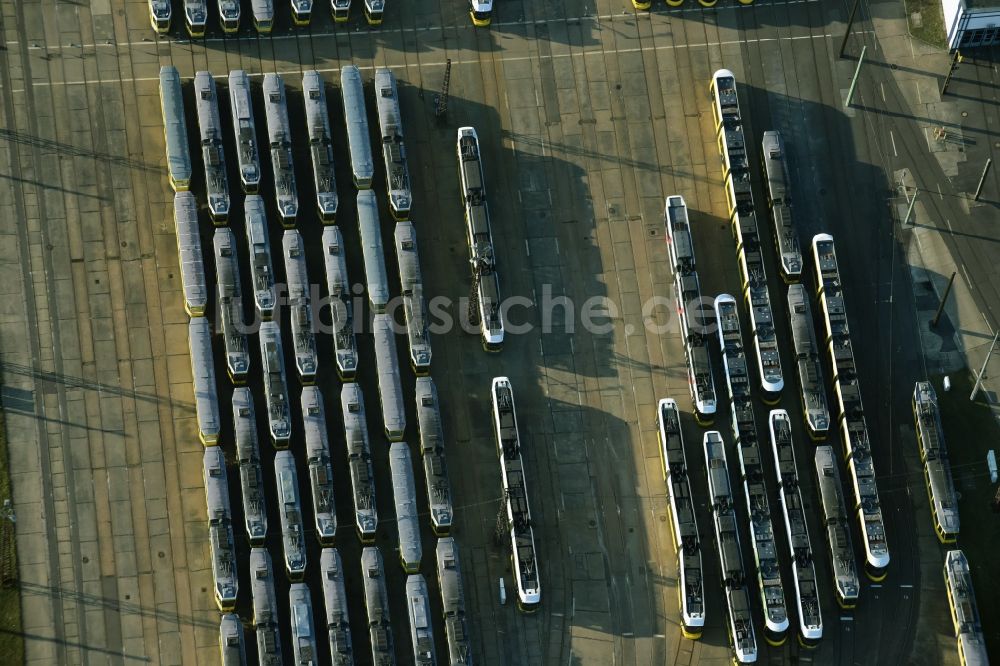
x: 882, y: 86
x: 875, y: 585
x: 455, y: 61
x: 256, y: 38
x: 846, y: 618
x: 893, y: 139
x: 907, y: 586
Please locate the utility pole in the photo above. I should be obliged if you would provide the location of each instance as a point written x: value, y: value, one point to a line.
x: 442, y: 99
x: 857, y: 72
x: 979, y: 377
x: 850, y: 24
x: 909, y: 210
x: 982, y: 179
x: 944, y: 299
x: 951, y: 70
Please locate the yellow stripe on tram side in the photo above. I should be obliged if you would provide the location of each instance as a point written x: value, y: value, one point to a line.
x: 663, y: 457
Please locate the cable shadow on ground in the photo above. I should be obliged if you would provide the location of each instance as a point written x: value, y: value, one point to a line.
x: 73, y: 644
x: 113, y: 605
x: 78, y: 382
x: 526, y: 140
x: 61, y: 148
x: 54, y: 188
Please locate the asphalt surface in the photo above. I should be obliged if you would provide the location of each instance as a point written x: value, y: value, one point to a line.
x: 586, y: 124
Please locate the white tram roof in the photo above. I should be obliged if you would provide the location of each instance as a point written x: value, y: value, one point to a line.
x: 387, y: 362
x: 359, y: 457
x: 245, y: 424
x: 265, y: 603
x: 227, y: 272
x: 450, y: 576
x: 297, y: 278
x: 161, y: 9
x: 216, y: 482
x: 207, y: 103
x: 229, y: 10
x: 220, y: 523
x: 335, y: 604
x: 432, y: 449
x: 338, y: 286
x: 276, y: 109
x: 303, y: 632
x: 231, y: 641
x: 320, y: 467
x: 265, y: 607
x: 413, y: 294
x: 213, y: 153
x: 260, y: 248
x: 373, y: 574
x: 391, y: 131
x: 352, y: 404
x: 248, y: 455
x: 320, y: 141
x: 387, y: 100
x: 280, y: 136
x: 239, y: 96
x: 263, y: 10
x: 716, y: 466
x: 290, y: 508
x: 203, y: 374
x: 287, y: 478
x: 773, y: 151
x: 189, y: 251
x: 196, y: 11
x: 965, y: 614
x: 807, y: 354
x: 371, y: 245
x: 406, y: 253
x: 337, y: 281
x: 175, y: 127
x: 334, y: 593
x: 405, y: 495
x: 314, y: 422
x: 419, y: 611
x: 295, y: 263
x: 429, y: 414
x: 356, y: 117
x: 453, y: 601
x: 314, y: 93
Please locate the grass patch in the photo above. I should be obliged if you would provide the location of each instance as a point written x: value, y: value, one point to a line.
x: 930, y: 26
x: 970, y: 431
x: 11, y: 641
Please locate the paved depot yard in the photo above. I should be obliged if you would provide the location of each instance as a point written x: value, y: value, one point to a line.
x: 588, y: 116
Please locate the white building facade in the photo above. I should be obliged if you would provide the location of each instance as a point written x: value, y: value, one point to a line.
x: 971, y: 23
